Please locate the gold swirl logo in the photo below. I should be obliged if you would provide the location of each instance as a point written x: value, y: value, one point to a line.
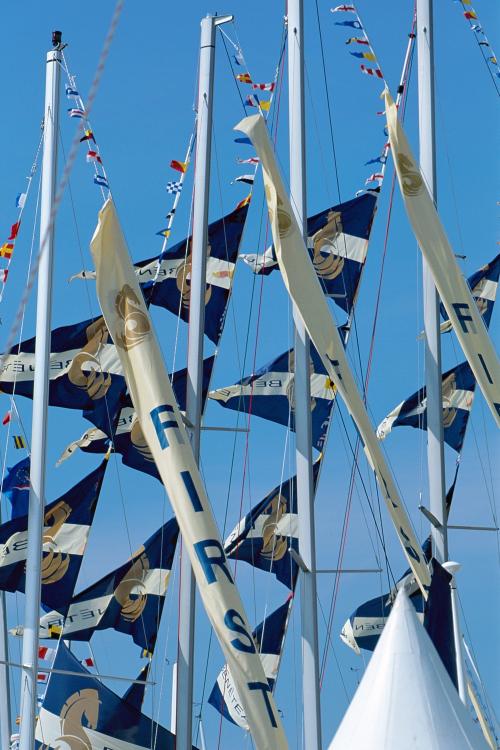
x: 96, y: 382
x: 82, y: 704
x: 54, y: 563
x: 411, y: 180
x: 290, y: 388
x: 183, y: 279
x: 449, y: 388
x: 135, y: 321
x: 275, y: 545
x: 326, y: 261
x: 284, y: 218
x: 132, y: 605
x: 139, y: 441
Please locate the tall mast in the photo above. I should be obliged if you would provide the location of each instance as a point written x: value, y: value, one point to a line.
x: 305, y: 495
x: 40, y: 399
x: 4, y: 674
x: 427, y: 139
x: 194, y: 399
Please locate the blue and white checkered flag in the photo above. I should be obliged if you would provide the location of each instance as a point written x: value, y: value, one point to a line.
x: 174, y: 187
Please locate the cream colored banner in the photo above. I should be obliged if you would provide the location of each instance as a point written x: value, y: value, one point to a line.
x: 130, y: 326
x: 451, y: 285
x: 306, y: 293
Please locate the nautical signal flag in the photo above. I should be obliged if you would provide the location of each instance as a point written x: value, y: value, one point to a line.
x: 366, y: 55
x: 76, y: 112
x: 180, y: 166
x: 244, y: 202
x: 357, y: 40
x: 70, y: 91
x: 100, y: 180
x: 19, y: 441
x: 88, y: 662
x: 163, y: 233
x: 252, y: 101
x: 244, y: 78
x: 88, y: 136
x: 20, y: 200
x: 264, y: 86
x: 248, y: 179
x: 174, y: 187
x: 6, y: 250
x: 343, y: 8
x: 351, y: 24
x: 93, y: 156
x: 14, y: 230
x: 6, y: 418
x: 470, y: 14
x: 4, y: 273
x: 371, y: 71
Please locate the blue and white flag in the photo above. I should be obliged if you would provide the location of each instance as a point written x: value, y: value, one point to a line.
x: 483, y: 285
x: 174, y: 187
x: 458, y: 385
x: 128, y: 439
x: 66, y: 527
x: 130, y: 599
x: 268, y: 637
x: 71, y: 92
x: 79, y: 711
x: 264, y: 536
x: 172, y: 289
x: 100, y: 180
x: 16, y: 486
x: 270, y: 394
x: 338, y: 243
x: 77, y: 112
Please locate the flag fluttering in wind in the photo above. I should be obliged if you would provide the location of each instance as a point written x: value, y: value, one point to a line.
x: 67, y: 523
x: 16, y: 486
x: 179, y: 166
x: 130, y: 599
x: 483, y: 285
x: 270, y: 394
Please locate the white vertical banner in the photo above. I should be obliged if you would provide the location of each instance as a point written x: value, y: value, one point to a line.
x: 455, y: 294
x: 306, y: 292
x: 128, y: 321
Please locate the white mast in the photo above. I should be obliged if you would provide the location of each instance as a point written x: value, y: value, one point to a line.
x: 40, y: 399
x: 194, y: 398
x: 427, y: 138
x: 4, y: 674
x: 305, y: 495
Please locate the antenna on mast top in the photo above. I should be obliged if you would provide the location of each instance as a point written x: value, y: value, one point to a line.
x: 57, y: 40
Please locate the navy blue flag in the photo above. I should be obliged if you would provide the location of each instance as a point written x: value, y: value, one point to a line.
x: 130, y: 599
x: 458, y: 385
x: 351, y: 24
x: 16, y: 486
x: 85, y: 370
x: 438, y: 619
x: 483, y: 285
x: 135, y: 693
x: 264, y: 536
x: 270, y: 394
x: 79, y: 711
x: 128, y: 438
x: 338, y: 243
x: 364, y: 627
x: 172, y: 289
x: 268, y: 637
x: 67, y: 523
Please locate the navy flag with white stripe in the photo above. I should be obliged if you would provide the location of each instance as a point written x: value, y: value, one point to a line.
x: 338, y: 243
x: 458, y: 385
x: 128, y: 439
x: 67, y: 523
x: 79, y: 711
x: 483, y: 285
x: 270, y: 394
x: 264, y: 536
x: 268, y: 637
x: 130, y: 599
x: 172, y: 289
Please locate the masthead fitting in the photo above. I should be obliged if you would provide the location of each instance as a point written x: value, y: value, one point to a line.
x: 56, y: 39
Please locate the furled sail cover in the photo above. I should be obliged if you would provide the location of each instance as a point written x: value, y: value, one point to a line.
x: 483, y: 285
x: 128, y: 320
x: 128, y: 439
x: 305, y: 291
x: 66, y: 527
x: 337, y: 242
x: 265, y: 536
x: 458, y: 386
x: 406, y: 698
x: 452, y: 287
x: 78, y: 711
x: 172, y: 289
x: 270, y: 394
x: 130, y: 599
x: 268, y: 636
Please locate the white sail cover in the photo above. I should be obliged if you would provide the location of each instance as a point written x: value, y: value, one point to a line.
x: 454, y: 292
x: 406, y: 698
x: 129, y: 323
x: 306, y: 293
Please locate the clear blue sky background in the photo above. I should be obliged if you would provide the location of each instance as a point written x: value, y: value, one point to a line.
x: 142, y: 119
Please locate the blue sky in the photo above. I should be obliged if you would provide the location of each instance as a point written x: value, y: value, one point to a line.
x: 142, y: 119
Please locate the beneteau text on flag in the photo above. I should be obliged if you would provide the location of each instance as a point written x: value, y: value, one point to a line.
x: 305, y: 290
x: 452, y: 287
x: 128, y: 319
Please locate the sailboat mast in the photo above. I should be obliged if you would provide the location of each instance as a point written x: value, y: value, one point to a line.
x: 4, y: 674
x: 427, y: 139
x: 305, y: 494
x: 194, y: 396
x: 40, y: 399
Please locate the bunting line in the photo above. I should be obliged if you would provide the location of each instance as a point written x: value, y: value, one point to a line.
x: 483, y: 43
